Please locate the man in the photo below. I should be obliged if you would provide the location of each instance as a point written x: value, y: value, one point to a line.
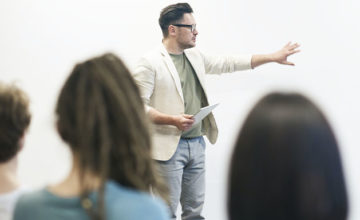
x: 172, y: 84
x: 14, y: 120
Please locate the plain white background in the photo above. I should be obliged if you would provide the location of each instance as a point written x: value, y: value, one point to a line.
x: 41, y: 40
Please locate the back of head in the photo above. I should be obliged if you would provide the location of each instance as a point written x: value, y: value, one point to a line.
x: 172, y: 14
x: 14, y: 120
x: 286, y: 164
x: 101, y: 116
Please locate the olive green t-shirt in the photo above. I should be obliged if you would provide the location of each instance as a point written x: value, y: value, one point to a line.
x: 192, y: 91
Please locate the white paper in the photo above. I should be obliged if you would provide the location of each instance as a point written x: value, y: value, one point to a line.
x: 203, y: 113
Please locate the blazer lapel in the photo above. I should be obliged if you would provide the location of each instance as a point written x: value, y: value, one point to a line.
x: 172, y: 69
x: 195, y: 63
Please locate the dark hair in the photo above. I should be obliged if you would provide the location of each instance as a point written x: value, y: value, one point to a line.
x: 14, y: 120
x: 172, y: 13
x: 286, y: 164
x: 102, y: 117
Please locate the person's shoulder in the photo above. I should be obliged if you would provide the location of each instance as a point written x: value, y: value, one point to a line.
x: 193, y: 51
x: 32, y: 197
x: 194, y: 54
x: 13, y: 194
x: 28, y: 202
x: 118, y: 194
x: 135, y: 204
x: 153, y: 53
x: 150, y: 59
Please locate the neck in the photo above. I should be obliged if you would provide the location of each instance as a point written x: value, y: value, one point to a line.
x: 172, y: 47
x: 8, y: 176
x: 71, y: 186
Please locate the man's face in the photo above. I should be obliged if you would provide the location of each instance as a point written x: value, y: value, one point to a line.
x: 185, y: 37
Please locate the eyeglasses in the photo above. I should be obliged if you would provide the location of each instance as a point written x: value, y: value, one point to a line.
x: 191, y: 26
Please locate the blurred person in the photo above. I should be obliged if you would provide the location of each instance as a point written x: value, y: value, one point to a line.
x: 14, y: 120
x: 100, y: 115
x: 172, y: 82
x: 286, y: 164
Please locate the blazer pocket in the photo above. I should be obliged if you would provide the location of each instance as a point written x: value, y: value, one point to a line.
x: 165, y: 129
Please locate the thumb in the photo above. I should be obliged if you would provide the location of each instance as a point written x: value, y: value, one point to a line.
x: 288, y: 63
x: 188, y: 116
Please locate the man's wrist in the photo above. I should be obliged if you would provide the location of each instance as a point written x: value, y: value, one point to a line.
x: 172, y: 120
x: 270, y: 57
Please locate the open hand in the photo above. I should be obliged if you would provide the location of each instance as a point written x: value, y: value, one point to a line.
x: 282, y: 55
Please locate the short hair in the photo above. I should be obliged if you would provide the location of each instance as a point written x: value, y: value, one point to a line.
x: 172, y: 13
x: 286, y: 164
x: 14, y: 119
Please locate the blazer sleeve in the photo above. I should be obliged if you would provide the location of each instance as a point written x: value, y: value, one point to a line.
x: 226, y: 64
x: 144, y: 76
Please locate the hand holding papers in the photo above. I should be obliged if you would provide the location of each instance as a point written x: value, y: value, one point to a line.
x: 203, y: 113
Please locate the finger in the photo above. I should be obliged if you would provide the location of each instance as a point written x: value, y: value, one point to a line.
x: 187, y: 123
x: 188, y: 116
x: 292, y: 52
x: 288, y: 63
x: 190, y: 120
x: 184, y: 126
x: 288, y: 44
x: 294, y: 46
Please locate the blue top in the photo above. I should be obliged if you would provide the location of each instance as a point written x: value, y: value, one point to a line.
x: 121, y: 203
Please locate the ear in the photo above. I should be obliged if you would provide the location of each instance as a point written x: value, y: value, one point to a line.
x: 172, y: 30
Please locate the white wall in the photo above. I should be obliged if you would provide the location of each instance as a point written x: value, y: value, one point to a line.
x: 41, y: 40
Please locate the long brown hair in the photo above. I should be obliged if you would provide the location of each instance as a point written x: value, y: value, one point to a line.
x: 101, y: 116
x: 286, y: 164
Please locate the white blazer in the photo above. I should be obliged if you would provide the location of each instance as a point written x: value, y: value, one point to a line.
x: 160, y: 88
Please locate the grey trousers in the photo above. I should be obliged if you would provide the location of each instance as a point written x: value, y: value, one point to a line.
x: 185, y: 175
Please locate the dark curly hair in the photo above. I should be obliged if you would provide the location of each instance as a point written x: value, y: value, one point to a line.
x: 14, y: 120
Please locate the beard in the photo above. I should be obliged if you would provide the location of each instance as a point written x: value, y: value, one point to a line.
x: 186, y: 45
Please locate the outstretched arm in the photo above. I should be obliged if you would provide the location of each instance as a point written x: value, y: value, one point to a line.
x: 278, y: 57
